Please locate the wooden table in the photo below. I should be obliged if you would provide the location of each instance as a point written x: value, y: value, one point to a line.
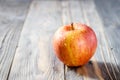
x: 27, y: 28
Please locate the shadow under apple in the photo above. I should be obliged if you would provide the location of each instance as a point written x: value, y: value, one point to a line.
x: 99, y: 70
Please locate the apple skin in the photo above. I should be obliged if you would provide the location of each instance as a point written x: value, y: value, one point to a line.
x: 74, y: 44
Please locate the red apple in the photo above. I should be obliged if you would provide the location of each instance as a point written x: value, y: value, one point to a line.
x: 74, y: 44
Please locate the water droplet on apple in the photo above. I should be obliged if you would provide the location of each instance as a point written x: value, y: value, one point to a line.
x: 65, y: 44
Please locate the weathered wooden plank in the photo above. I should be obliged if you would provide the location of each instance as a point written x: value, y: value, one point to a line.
x: 35, y: 59
x: 92, y: 18
x: 111, y: 34
x: 102, y: 65
x: 111, y: 25
x: 71, y: 8
x: 12, y: 15
x: 87, y: 71
x: 67, y: 16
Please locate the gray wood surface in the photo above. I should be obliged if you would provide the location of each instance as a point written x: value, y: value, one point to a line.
x: 12, y: 16
x: 35, y: 59
x: 26, y: 33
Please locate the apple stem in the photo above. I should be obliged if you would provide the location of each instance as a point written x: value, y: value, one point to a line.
x: 72, y: 26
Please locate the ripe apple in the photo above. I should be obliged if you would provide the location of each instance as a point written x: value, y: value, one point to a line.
x: 74, y: 44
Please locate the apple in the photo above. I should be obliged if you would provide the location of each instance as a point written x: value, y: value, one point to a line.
x: 74, y: 44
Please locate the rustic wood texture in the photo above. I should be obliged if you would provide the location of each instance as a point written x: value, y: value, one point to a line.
x: 105, y: 63
x: 12, y: 16
x: 33, y: 57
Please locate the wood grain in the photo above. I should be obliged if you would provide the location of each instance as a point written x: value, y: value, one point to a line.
x: 26, y: 51
x: 111, y: 35
x: 12, y: 15
x: 35, y: 59
x: 104, y: 63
